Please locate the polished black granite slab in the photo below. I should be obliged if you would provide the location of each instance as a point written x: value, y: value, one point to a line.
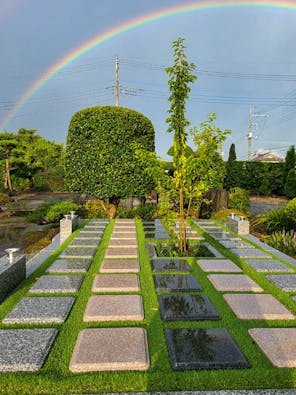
x: 154, y: 229
x: 175, y: 282
x: 178, y: 307
x: 170, y: 265
x: 195, y: 349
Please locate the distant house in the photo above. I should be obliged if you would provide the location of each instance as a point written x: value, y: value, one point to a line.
x: 267, y: 157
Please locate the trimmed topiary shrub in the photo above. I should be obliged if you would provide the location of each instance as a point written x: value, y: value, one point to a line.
x: 100, y: 157
x: 58, y: 209
x: 290, y: 186
x: 238, y: 199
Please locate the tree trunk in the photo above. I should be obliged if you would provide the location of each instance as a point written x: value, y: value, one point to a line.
x: 182, y: 228
x: 7, y: 179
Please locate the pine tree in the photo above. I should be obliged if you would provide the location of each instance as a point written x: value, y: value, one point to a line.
x: 290, y: 163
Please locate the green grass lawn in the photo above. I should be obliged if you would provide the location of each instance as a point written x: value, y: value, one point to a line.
x: 55, y: 377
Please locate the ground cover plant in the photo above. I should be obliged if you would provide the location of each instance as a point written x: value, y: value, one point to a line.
x: 55, y: 377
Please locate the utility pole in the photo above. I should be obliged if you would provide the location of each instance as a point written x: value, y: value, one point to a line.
x: 117, y: 82
x: 250, y: 129
x: 250, y: 135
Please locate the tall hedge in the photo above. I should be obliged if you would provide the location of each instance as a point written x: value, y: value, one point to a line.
x: 100, y: 159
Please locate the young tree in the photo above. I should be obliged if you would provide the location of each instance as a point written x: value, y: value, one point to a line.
x: 231, y: 179
x: 290, y: 163
x: 180, y: 76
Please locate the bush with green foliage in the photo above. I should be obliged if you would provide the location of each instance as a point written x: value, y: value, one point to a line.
x: 57, y: 210
x: 100, y: 155
x: 93, y: 209
x: 290, y: 185
x: 290, y: 210
x: 145, y: 211
x: 52, y: 212
x: 238, y: 199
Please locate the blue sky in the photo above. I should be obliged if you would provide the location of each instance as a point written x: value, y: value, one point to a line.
x: 245, y: 58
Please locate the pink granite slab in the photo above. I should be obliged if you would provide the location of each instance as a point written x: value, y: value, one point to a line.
x: 234, y: 282
x: 278, y: 344
x: 123, y: 221
x: 121, y: 252
x: 120, y: 266
x: 257, y: 307
x: 124, y: 235
x: 114, y: 308
x: 116, y: 283
x: 123, y: 242
x: 102, y: 349
x: 218, y: 265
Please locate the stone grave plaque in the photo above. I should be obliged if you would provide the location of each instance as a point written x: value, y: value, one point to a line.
x: 268, y: 265
x: 123, y: 243
x: 249, y: 253
x: 114, y: 308
x: 84, y: 243
x: 257, y: 307
x: 100, y: 349
x: 116, y: 283
x: 57, y: 284
x: 223, y: 236
x: 88, y: 235
x: 120, y: 266
x: 69, y: 252
x: 175, y: 282
x: 24, y: 350
x: 121, y: 252
x: 69, y: 266
x: 218, y: 265
x: 278, y: 344
x: 234, y: 282
x: 38, y: 310
x: 178, y: 307
x: 170, y: 265
x: 194, y: 349
x: 286, y: 282
x: 235, y: 244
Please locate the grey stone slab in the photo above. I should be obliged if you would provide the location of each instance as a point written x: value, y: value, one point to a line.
x: 213, y: 250
x: 120, y: 266
x: 124, y: 228
x: 120, y: 252
x: 278, y: 344
x: 286, y: 282
x: 218, y: 265
x: 234, y: 282
x: 84, y: 243
x: 38, y: 310
x: 69, y: 266
x: 87, y: 252
x: 235, y: 244
x: 57, y: 284
x: 114, y: 308
x: 223, y: 236
x: 24, y: 350
x: 250, y: 253
x: 112, y: 349
x: 11, y: 274
x: 123, y: 243
x: 268, y: 265
x: 116, y: 283
x: 88, y: 235
x: 257, y: 307
x: 203, y: 348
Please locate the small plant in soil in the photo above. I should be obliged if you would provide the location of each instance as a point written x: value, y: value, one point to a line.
x: 169, y: 249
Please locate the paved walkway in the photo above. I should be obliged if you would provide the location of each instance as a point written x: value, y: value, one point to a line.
x: 116, y: 296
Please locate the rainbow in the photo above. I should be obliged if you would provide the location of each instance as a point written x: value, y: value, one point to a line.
x: 131, y: 24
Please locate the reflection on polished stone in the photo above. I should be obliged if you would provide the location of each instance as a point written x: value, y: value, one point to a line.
x: 176, y: 282
x: 170, y: 265
x: 186, y: 307
x: 154, y: 229
x: 213, y: 348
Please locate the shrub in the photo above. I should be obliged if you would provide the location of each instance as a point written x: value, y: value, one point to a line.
x: 273, y: 220
x: 93, y: 209
x: 145, y: 211
x: 125, y: 212
x: 58, y: 209
x: 290, y: 185
x: 290, y: 210
x: 4, y: 198
x: 284, y: 241
x: 38, y: 215
x: 238, y: 199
